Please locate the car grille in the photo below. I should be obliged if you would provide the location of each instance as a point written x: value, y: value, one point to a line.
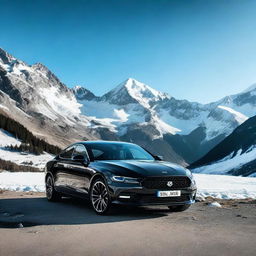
x: 161, y: 182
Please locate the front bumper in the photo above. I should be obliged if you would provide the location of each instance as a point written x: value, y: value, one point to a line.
x: 127, y: 194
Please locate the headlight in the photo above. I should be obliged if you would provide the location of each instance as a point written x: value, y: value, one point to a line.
x: 125, y: 179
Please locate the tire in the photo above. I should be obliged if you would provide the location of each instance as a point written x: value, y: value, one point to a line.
x: 179, y: 208
x: 99, y: 197
x: 51, y: 194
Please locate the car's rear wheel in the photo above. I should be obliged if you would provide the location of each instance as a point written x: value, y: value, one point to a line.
x: 179, y: 208
x: 99, y: 196
x: 51, y: 194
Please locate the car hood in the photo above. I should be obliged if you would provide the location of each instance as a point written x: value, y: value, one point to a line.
x: 137, y: 168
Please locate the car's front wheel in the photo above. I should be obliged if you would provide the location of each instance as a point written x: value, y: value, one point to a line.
x: 99, y: 196
x: 179, y: 208
x: 51, y: 193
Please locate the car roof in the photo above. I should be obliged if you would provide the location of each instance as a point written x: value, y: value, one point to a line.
x: 102, y: 142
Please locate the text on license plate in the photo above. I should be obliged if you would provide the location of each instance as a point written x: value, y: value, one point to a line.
x: 170, y: 193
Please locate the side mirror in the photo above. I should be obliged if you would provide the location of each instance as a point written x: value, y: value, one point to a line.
x: 159, y: 158
x: 81, y: 159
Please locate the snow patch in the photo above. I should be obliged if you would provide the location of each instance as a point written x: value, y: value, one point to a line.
x: 228, y: 163
x: 7, y: 139
x: 60, y: 103
x: 225, y: 187
x: 214, y: 204
x: 240, y: 118
x: 121, y: 115
x: 20, y: 158
x: 163, y: 127
x: 27, y: 181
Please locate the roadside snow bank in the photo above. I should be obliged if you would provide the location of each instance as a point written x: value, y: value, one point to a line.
x: 218, y: 186
x: 29, y: 159
x: 225, y: 187
x: 22, y: 181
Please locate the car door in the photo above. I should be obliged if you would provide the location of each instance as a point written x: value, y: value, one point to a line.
x: 80, y: 171
x: 62, y: 173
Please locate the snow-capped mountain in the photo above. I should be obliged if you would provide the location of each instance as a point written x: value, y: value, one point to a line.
x: 180, y: 130
x: 128, y: 112
x: 35, y: 97
x: 190, y: 128
x: 38, y: 89
x: 236, y: 154
x: 129, y: 103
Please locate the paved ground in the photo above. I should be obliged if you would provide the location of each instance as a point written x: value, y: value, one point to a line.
x: 72, y: 228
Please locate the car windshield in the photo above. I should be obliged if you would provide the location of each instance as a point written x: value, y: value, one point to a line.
x: 117, y: 151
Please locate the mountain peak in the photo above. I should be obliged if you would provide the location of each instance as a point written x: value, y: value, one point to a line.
x: 42, y: 68
x: 133, y: 91
x: 82, y: 93
x: 5, y: 57
x: 140, y: 90
x: 39, y: 66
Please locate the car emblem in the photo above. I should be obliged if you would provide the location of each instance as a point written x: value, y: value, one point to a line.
x: 169, y: 183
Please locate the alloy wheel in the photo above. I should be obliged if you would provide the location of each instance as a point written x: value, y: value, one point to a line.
x: 99, y: 197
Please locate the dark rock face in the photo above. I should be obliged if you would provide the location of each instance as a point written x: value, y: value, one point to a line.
x: 119, y: 97
x: 243, y: 138
x: 82, y: 93
x: 244, y: 170
x: 5, y: 57
x: 182, y: 109
x: 7, y: 87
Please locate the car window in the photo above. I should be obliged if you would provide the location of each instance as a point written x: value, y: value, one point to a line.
x: 97, y: 153
x: 137, y: 154
x: 117, y: 151
x: 67, y: 153
x: 80, y: 150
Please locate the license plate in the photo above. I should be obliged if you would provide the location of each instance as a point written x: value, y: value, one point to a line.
x: 169, y: 193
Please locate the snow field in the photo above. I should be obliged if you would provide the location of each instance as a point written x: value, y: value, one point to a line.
x: 217, y: 186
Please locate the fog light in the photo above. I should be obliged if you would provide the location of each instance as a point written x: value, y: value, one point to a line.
x: 125, y: 197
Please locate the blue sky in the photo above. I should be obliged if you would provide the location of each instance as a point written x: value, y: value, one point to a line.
x: 197, y: 50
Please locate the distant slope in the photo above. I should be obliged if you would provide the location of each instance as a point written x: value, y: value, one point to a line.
x: 15, y: 155
x: 236, y: 154
x: 32, y: 143
x: 20, y: 150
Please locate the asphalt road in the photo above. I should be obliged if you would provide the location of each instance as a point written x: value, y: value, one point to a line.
x: 72, y: 228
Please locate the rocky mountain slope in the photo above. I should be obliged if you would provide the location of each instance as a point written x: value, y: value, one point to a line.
x: 180, y: 130
x: 36, y: 98
x: 236, y: 154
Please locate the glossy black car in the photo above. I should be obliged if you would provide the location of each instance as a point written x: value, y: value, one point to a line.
x: 118, y: 173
